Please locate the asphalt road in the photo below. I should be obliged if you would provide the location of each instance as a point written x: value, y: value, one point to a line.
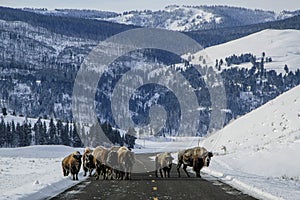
x: 146, y: 186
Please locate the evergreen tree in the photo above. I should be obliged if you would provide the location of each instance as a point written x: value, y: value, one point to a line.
x: 18, y: 133
x: 2, y: 133
x: 52, y: 132
x: 4, y: 111
x: 9, y: 135
x: 44, y: 134
x: 76, y: 142
x: 14, y: 135
x: 26, y: 134
x: 65, y: 135
x: 59, y: 130
x: 286, y: 69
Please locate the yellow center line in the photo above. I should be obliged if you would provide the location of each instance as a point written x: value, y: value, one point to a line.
x: 155, y: 198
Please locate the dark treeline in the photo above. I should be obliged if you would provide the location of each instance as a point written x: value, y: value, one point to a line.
x: 58, y: 133
x: 70, y: 26
x: 24, y: 134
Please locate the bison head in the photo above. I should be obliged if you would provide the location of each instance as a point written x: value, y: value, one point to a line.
x: 89, y: 159
x: 206, y: 158
x: 169, y: 161
x: 77, y: 157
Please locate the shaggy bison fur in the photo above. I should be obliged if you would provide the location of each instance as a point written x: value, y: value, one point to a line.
x: 71, y: 164
x: 195, y: 157
x: 163, y: 161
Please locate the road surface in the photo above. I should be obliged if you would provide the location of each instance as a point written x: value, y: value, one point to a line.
x: 146, y: 186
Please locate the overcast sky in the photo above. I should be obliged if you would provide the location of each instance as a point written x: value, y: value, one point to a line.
x: 122, y: 5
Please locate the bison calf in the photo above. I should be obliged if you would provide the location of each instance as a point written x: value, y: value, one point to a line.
x: 71, y: 164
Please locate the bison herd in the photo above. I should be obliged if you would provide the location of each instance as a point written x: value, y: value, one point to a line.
x: 117, y: 162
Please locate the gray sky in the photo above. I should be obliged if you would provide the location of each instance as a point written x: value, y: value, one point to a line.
x: 122, y: 5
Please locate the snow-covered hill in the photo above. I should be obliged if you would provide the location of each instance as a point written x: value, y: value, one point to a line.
x: 262, y: 149
x: 281, y: 45
x: 189, y: 18
x: 178, y: 18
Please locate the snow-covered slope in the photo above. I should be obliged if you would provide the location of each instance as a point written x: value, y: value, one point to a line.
x: 33, y: 172
x: 281, y: 45
x: 172, y: 18
x: 189, y: 18
x: 179, y: 18
x: 262, y: 149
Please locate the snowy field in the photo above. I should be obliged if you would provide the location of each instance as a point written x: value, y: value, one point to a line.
x: 33, y: 172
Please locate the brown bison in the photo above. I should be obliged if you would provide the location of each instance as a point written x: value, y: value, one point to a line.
x: 71, y: 164
x: 88, y: 163
x: 100, y: 154
x: 105, y: 162
x: 112, y: 163
x: 163, y: 161
x: 126, y: 160
x: 195, y: 157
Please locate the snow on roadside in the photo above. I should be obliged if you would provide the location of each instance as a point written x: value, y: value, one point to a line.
x: 262, y: 150
x: 34, y: 172
x: 168, y: 144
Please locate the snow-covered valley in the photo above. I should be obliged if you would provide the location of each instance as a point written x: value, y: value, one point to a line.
x: 256, y: 153
x: 260, y: 157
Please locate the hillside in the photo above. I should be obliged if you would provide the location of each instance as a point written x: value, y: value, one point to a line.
x: 189, y: 18
x: 178, y: 18
x: 221, y: 35
x: 261, y: 148
x: 281, y: 45
x: 41, y: 54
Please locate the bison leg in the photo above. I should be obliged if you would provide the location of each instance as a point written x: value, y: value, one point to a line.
x: 168, y: 171
x: 161, y: 174
x: 85, y: 170
x: 184, y: 169
x: 127, y: 177
x: 90, y: 172
x: 198, y: 174
x: 65, y: 172
x: 98, y: 171
x: 178, y: 168
x: 165, y: 173
x: 121, y: 175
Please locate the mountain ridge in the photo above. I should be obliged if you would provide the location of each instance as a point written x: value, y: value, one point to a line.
x: 179, y: 18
